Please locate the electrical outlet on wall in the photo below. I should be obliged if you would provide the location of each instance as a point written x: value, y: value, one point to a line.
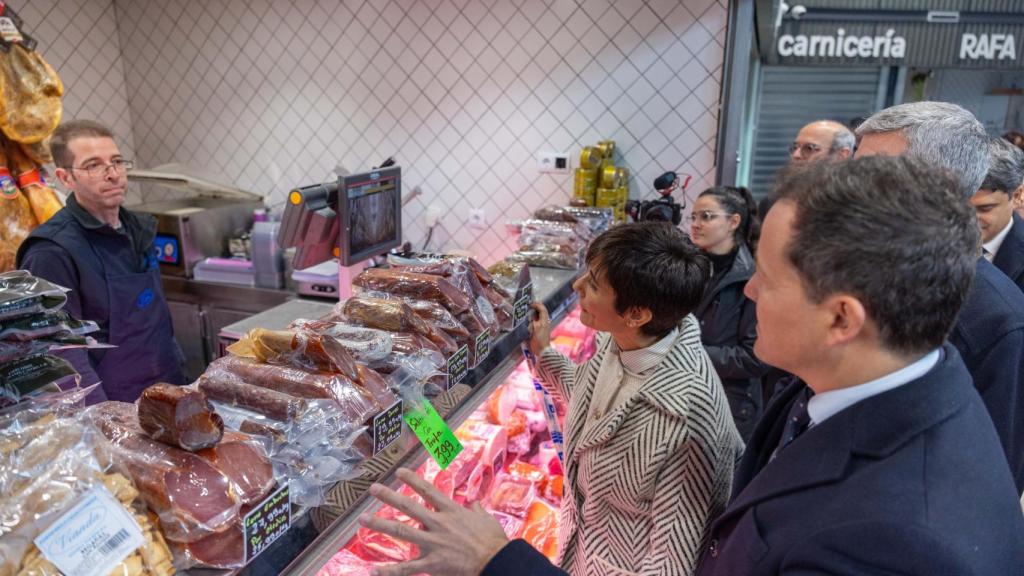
x: 477, y: 219
x: 553, y: 162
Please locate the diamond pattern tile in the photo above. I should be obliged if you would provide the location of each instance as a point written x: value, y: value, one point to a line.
x: 463, y: 93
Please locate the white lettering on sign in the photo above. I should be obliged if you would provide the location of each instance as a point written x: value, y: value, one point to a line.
x: 988, y: 47
x: 842, y: 46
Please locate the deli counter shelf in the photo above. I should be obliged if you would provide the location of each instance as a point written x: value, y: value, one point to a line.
x: 316, y: 534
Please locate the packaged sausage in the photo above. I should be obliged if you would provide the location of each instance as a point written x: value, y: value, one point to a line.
x: 413, y: 285
x: 395, y: 316
x: 354, y: 403
x: 179, y: 416
x: 461, y: 272
x: 47, y: 468
x: 299, y: 348
x: 363, y: 343
x: 191, y: 498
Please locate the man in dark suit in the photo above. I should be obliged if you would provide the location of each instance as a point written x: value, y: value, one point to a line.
x: 1002, y: 232
x: 881, y: 458
x: 989, y: 333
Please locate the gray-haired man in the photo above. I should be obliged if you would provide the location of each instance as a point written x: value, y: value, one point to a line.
x: 989, y: 332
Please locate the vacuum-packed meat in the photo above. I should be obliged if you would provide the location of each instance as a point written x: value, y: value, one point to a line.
x: 191, y: 498
x: 356, y: 405
x: 365, y: 344
x: 300, y: 348
x: 179, y: 416
x: 228, y: 389
x: 224, y: 549
x: 396, y: 316
x: 413, y: 285
x: 245, y: 464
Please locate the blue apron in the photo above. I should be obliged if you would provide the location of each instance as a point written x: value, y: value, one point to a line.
x: 139, y: 318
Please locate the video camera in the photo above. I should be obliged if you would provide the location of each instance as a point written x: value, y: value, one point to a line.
x: 664, y: 209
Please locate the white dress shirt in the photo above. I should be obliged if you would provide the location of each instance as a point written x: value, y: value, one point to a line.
x: 823, y: 406
x: 992, y: 246
x: 622, y: 373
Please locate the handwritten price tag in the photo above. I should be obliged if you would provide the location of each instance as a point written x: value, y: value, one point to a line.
x: 458, y: 366
x: 267, y: 522
x: 434, y: 433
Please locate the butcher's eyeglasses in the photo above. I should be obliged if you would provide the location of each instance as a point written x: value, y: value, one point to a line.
x: 100, y: 170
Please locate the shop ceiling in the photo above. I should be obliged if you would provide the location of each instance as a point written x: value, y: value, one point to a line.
x: 918, y: 33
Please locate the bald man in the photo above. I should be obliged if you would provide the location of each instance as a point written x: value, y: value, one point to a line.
x: 821, y: 140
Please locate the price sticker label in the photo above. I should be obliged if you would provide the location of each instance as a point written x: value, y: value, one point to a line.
x: 525, y: 292
x: 267, y: 522
x: 91, y: 538
x: 483, y: 346
x: 458, y: 366
x: 434, y: 433
x: 9, y: 30
x: 387, y: 427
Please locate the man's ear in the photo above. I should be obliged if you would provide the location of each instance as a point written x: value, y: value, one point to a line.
x: 65, y: 178
x: 638, y: 316
x: 843, y: 154
x: 849, y: 319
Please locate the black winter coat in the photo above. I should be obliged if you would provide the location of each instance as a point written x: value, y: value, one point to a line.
x: 728, y: 329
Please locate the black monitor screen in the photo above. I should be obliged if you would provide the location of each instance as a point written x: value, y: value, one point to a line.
x: 372, y: 212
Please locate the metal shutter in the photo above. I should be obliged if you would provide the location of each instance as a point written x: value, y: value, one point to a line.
x: 793, y: 96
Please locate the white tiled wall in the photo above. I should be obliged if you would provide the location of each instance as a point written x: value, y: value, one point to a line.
x: 463, y: 93
x: 79, y: 39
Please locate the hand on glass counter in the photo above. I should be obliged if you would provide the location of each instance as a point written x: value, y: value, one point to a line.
x: 454, y: 541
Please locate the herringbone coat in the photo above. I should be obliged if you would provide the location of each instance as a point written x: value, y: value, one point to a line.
x: 643, y: 485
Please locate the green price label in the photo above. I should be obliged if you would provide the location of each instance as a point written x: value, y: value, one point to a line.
x: 434, y: 433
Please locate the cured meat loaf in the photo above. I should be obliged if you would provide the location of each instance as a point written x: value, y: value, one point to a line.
x: 396, y: 316
x: 224, y: 549
x: 355, y: 404
x: 225, y: 387
x: 179, y: 416
x: 245, y: 464
x: 412, y: 285
x: 191, y: 498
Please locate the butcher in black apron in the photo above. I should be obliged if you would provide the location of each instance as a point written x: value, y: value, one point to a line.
x: 105, y: 255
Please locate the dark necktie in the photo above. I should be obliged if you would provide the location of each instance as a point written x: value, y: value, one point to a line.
x: 797, y: 420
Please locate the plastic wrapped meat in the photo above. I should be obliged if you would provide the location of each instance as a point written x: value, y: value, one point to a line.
x: 300, y: 348
x: 379, y: 547
x: 412, y: 285
x: 191, y: 498
x: 396, y: 316
x: 31, y: 92
x: 546, y: 259
x: 22, y: 293
x: 510, y: 524
x: 364, y: 344
x: 224, y: 549
x: 511, y: 276
x: 245, y: 463
x: 597, y: 219
x: 440, y: 316
x: 229, y: 389
x: 355, y: 403
x: 377, y: 386
x: 179, y: 416
x: 511, y: 495
x: 540, y: 528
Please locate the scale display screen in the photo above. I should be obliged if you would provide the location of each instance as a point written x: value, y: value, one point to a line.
x: 371, y: 208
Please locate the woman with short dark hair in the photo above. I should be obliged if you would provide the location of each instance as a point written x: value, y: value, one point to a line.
x: 650, y: 446
x: 726, y: 227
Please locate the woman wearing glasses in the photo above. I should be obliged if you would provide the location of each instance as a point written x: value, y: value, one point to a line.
x: 725, y: 226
